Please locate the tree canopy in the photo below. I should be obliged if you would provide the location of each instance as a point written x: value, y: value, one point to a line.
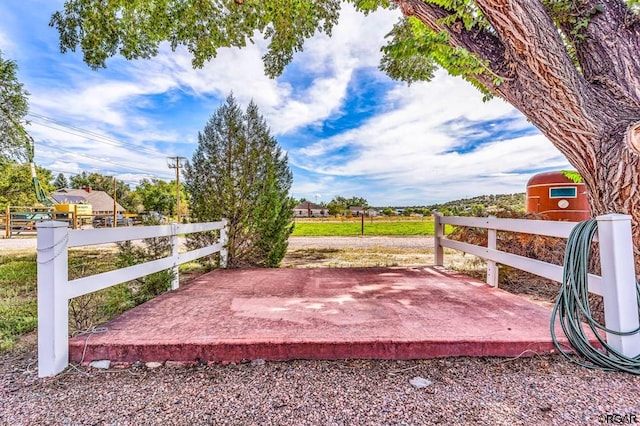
x: 16, y: 187
x: 13, y: 108
x: 160, y: 196
x: 339, y: 205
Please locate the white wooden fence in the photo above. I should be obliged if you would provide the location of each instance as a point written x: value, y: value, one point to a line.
x: 55, y: 290
x: 617, y: 284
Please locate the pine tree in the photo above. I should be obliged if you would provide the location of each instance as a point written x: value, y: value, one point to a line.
x: 238, y: 172
x: 60, y: 181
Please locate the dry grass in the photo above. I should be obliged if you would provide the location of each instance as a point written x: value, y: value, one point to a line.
x: 356, y: 257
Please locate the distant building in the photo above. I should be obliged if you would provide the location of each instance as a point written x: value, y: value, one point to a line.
x: 360, y: 211
x: 101, y: 202
x: 308, y: 209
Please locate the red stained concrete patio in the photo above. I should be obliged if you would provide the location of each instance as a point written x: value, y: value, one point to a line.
x: 281, y: 314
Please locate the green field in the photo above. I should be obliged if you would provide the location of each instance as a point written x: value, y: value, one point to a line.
x: 325, y: 228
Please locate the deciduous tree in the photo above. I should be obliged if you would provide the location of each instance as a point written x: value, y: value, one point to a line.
x: 238, y: 172
x: 16, y: 187
x: 13, y: 108
x: 570, y: 66
x: 157, y: 195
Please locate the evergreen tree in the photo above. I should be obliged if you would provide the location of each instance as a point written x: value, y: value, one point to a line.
x: 238, y: 172
x: 60, y: 181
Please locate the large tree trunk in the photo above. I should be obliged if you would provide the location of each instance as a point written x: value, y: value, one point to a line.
x: 591, y: 113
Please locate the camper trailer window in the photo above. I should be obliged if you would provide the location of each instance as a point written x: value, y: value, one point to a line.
x: 563, y: 192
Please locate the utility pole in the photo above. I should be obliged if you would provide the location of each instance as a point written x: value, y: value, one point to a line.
x: 176, y: 163
x: 115, y: 202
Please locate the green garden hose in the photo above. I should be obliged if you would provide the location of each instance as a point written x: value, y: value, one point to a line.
x: 573, y: 309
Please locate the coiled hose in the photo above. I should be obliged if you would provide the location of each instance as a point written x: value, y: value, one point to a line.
x: 573, y: 309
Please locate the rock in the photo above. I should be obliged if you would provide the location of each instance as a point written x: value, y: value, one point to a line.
x: 153, y: 365
x: 419, y: 382
x: 103, y: 364
x: 257, y: 362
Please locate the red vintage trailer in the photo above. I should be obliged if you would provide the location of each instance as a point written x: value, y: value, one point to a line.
x: 557, y: 197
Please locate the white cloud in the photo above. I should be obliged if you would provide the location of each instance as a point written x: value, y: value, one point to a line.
x: 412, y: 146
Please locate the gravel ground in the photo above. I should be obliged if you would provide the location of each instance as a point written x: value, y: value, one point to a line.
x: 484, y: 391
x: 294, y: 242
x: 17, y: 243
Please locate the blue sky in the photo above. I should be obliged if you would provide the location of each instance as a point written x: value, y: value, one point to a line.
x: 347, y: 128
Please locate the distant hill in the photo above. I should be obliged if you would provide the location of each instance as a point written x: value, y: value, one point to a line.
x: 483, y: 203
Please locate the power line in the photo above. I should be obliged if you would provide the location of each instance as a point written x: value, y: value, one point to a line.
x: 94, y: 136
x: 88, y: 134
x: 154, y: 173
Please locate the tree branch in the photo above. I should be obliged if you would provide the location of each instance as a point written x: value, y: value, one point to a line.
x: 479, y: 41
x: 607, y: 47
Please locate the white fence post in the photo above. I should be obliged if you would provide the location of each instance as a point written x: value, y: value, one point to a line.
x: 492, y: 267
x: 438, y: 233
x: 53, y: 302
x: 175, y: 249
x: 619, y: 282
x: 224, y: 241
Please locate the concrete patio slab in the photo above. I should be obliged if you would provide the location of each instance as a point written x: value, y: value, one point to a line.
x: 282, y: 314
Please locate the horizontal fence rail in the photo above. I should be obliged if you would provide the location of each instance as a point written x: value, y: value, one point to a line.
x: 617, y: 284
x: 55, y: 290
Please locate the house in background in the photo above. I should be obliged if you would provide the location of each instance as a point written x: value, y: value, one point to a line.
x: 101, y: 202
x: 308, y: 209
x: 363, y: 211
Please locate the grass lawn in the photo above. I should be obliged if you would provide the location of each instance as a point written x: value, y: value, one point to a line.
x: 18, y: 287
x: 18, y: 292
x: 324, y: 228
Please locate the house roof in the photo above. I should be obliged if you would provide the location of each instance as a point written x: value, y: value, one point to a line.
x: 63, y: 198
x: 308, y: 205
x: 100, y: 201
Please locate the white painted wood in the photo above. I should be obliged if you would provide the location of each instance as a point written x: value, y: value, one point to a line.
x: 537, y: 267
x: 438, y: 236
x: 85, y: 237
x: 492, y: 267
x: 201, y: 227
x: 224, y: 241
x: 55, y: 289
x: 175, y: 249
x: 618, y: 274
x: 53, y: 305
x: 539, y: 227
x: 198, y: 253
x: 92, y: 283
